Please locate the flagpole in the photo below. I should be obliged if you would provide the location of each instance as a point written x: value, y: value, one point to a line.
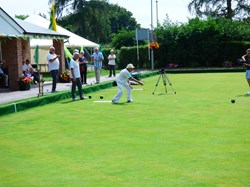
x: 152, y: 27
x: 157, y: 20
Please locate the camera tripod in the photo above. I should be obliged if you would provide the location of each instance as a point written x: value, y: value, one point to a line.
x: 165, y: 78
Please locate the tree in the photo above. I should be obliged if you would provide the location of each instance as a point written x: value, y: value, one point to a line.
x: 120, y: 19
x: 89, y: 20
x: 96, y: 20
x: 67, y: 6
x: 229, y: 9
x: 202, y: 43
x: 124, y: 38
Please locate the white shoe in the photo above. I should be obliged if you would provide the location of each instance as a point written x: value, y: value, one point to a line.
x: 114, y: 102
x: 248, y: 93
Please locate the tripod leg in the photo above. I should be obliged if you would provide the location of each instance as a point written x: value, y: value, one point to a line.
x: 164, y: 82
x: 157, y: 84
x: 169, y: 82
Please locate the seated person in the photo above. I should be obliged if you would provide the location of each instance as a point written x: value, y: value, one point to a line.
x: 29, y: 71
x: 4, y: 74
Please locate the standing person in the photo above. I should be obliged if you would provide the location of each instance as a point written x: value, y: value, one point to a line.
x: 246, y: 59
x: 53, y: 62
x: 111, y: 63
x: 83, y: 67
x: 97, y: 58
x: 75, y: 76
x: 123, y: 80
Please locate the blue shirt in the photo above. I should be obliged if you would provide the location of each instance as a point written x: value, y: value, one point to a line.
x: 1, y: 71
x: 247, y: 61
x: 97, y: 58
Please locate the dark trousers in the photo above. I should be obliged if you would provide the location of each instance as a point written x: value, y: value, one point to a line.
x: 111, y: 68
x: 36, y: 77
x: 73, y: 88
x: 54, y: 75
x: 84, y: 77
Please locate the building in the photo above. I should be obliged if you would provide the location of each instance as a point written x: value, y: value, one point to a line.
x: 74, y: 40
x: 15, y: 36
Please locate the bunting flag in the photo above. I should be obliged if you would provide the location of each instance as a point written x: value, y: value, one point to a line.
x: 68, y: 56
x: 52, y: 24
x: 68, y: 62
x: 67, y: 53
x: 28, y: 37
x: 36, y: 54
x: 82, y: 48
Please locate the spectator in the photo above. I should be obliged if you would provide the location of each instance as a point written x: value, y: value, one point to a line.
x: 111, y: 63
x: 83, y: 67
x: 53, y: 63
x: 97, y: 58
x: 75, y: 76
x: 29, y: 71
x: 246, y: 59
x: 4, y: 74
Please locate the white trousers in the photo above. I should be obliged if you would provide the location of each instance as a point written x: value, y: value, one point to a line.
x: 120, y: 91
x: 97, y: 74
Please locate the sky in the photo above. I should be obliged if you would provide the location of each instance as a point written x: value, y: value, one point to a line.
x: 141, y: 9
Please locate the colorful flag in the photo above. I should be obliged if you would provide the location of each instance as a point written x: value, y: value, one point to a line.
x: 67, y: 53
x: 68, y: 56
x: 82, y: 48
x: 52, y: 24
x: 36, y: 54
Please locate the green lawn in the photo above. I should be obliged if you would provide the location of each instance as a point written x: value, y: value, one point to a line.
x: 196, y: 137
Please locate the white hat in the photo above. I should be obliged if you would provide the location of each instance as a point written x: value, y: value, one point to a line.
x: 130, y: 66
x: 76, y: 50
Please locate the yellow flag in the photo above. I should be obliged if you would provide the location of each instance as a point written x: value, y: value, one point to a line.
x: 52, y: 24
x: 67, y: 53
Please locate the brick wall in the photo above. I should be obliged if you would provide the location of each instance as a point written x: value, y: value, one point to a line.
x: 14, y: 51
x: 26, y: 50
x: 58, y: 45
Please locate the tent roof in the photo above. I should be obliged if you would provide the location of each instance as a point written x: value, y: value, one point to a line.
x: 73, y: 41
x: 13, y: 27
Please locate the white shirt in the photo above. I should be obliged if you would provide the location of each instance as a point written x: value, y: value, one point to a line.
x: 25, y: 67
x: 123, y: 76
x: 52, y: 65
x: 75, y: 65
x: 111, y: 62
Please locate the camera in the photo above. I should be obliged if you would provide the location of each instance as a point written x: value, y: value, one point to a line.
x: 162, y: 71
x: 241, y: 61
